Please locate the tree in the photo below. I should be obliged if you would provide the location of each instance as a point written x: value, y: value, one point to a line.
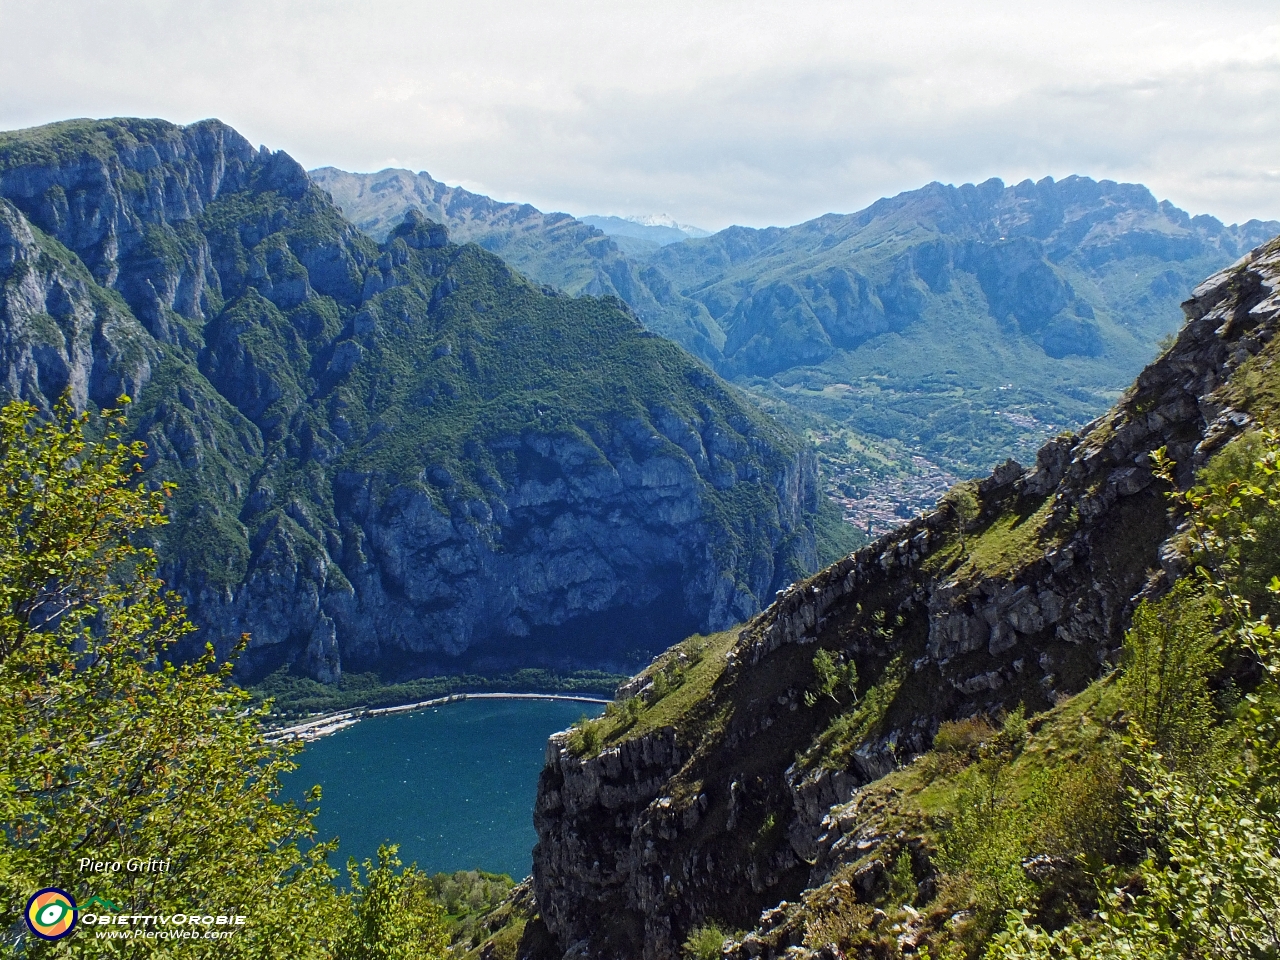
x: 963, y: 500
x: 395, y: 916
x: 68, y: 511
x: 831, y: 678
x: 111, y: 752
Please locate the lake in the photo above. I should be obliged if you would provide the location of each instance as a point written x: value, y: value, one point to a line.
x: 454, y: 785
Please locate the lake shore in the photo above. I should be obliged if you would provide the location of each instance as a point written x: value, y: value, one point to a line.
x: 316, y: 727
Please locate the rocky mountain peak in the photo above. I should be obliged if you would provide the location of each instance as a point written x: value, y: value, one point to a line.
x: 419, y: 232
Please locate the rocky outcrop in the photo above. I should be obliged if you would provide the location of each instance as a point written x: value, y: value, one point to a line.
x: 57, y: 338
x: 1028, y: 602
x: 595, y: 807
x: 402, y: 456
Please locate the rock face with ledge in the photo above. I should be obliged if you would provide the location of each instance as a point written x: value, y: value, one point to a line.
x: 401, y: 456
x: 639, y: 846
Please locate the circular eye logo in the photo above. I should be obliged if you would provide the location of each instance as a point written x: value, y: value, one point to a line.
x: 51, y: 913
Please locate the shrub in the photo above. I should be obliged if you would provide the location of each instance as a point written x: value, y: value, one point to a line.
x: 1239, y: 524
x: 108, y: 748
x: 659, y: 687
x: 696, y: 648
x: 586, y: 737
x: 902, y: 881
x: 841, y: 920
x: 1169, y: 659
x: 705, y: 943
x: 962, y: 736
x: 1005, y: 815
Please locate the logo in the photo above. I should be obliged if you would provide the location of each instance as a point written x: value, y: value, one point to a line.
x: 99, y: 902
x: 51, y: 913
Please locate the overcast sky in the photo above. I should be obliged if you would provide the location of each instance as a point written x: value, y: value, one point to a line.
x: 716, y: 113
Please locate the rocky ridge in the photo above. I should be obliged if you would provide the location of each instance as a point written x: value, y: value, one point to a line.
x: 736, y: 813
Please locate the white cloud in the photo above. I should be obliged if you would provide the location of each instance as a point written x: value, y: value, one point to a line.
x: 714, y: 112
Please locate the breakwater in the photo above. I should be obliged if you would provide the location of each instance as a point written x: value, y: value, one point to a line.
x: 314, y: 728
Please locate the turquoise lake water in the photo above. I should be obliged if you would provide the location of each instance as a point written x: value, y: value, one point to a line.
x: 453, y: 785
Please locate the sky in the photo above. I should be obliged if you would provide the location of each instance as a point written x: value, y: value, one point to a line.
x: 713, y: 112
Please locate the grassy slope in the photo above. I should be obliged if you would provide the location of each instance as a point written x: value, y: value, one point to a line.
x: 705, y: 659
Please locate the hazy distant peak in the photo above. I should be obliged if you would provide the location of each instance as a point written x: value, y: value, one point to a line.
x: 666, y: 220
x: 655, y: 229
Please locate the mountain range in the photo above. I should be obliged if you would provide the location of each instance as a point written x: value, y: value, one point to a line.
x: 396, y: 452
x: 397, y: 455
x: 920, y: 340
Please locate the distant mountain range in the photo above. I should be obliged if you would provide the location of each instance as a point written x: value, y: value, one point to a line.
x: 397, y: 454
x: 923, y: 338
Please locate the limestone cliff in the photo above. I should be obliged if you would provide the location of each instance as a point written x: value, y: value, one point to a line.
x: 747, y: 798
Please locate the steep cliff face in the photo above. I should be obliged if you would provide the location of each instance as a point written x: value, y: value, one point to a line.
x: 756, y: 796
x: 400, y: 456
x: 61, y: 332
